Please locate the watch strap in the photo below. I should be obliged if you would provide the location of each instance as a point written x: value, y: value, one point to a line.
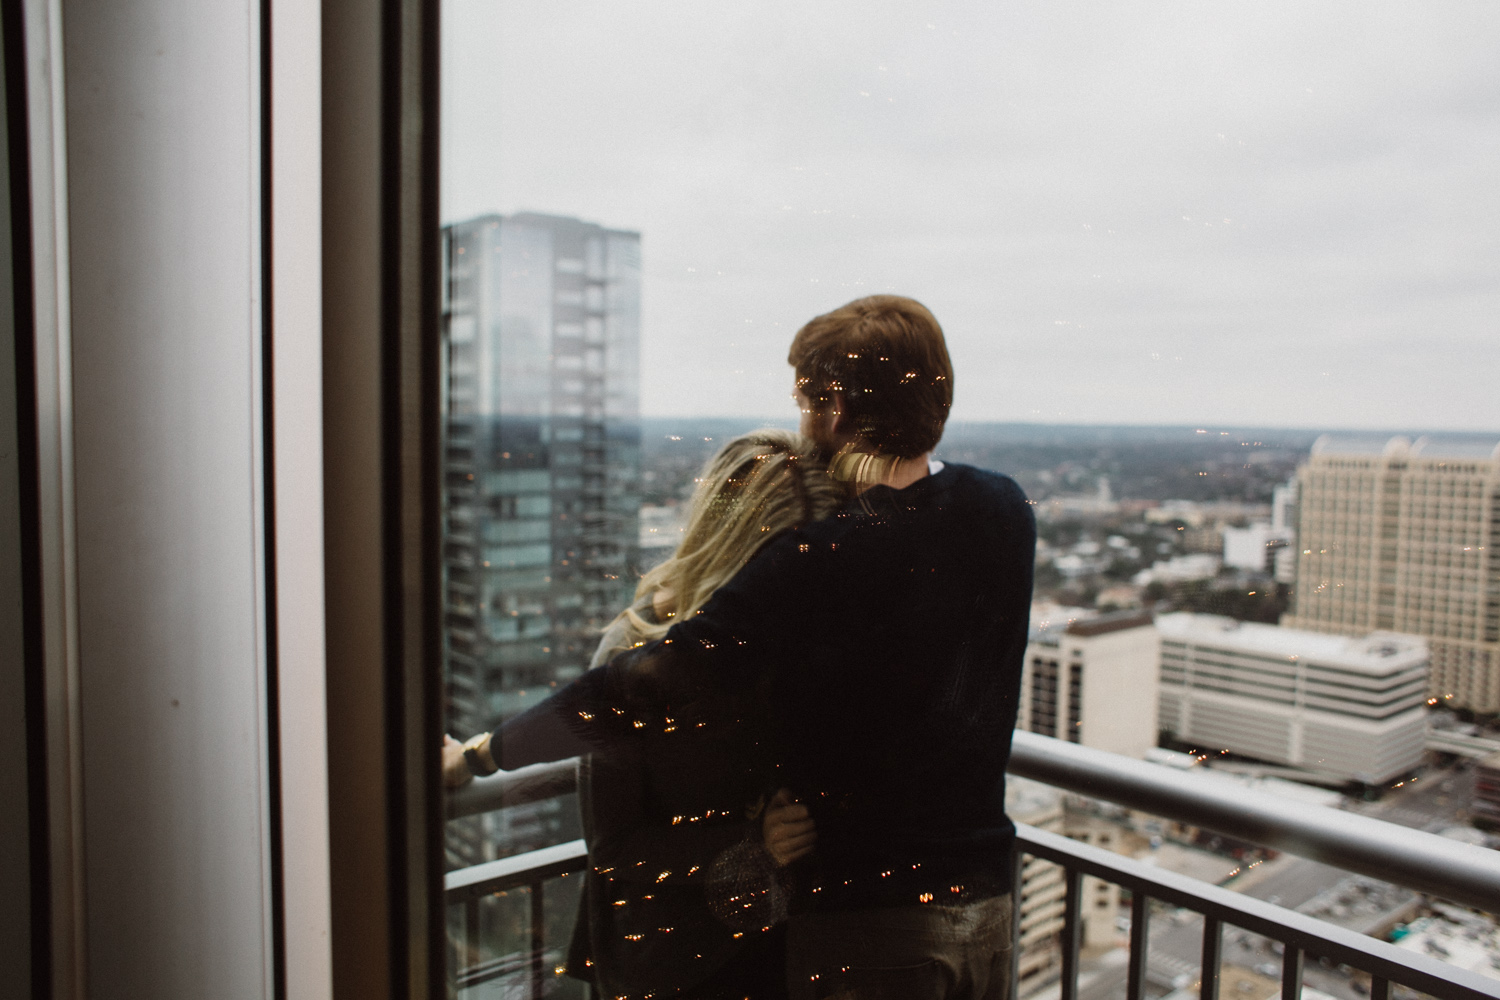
x: 477, y: 766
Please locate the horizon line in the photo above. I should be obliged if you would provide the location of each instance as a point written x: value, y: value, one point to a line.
x: 1318, y: 429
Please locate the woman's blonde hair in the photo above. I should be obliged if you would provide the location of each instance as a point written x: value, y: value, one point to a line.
x: 757, y: 486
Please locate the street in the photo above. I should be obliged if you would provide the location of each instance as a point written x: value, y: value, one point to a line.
x: 1433, y: 801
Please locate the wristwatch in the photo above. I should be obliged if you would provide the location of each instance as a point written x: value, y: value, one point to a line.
x: 477, y: 765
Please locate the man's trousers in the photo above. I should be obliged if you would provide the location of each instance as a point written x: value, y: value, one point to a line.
x: 903, y: 953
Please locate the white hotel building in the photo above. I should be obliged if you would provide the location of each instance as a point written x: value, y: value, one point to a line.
x: 1405, y: 535
x: 1351, y: 709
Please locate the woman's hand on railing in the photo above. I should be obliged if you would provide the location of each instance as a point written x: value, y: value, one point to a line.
x: 788, y: 830
x: 455, y: 768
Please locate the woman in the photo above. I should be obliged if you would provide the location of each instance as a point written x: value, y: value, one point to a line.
x: 757, y: 486
x: 689, y: 842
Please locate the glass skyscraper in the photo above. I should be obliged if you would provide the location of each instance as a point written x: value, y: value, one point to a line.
x: 542, y: 465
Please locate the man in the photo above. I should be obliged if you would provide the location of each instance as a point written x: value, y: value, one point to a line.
x: 885, y: 645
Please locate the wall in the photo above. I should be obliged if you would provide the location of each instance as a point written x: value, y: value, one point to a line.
x: 163, y: 171
x: 1120, y: 689
x: 297, y: 379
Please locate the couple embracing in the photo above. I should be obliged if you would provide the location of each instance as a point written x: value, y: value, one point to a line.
x: 794, y: 741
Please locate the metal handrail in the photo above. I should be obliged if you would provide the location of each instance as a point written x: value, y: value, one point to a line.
x: 513, y: 788
x: 1418, y: 860
x: 1297, y: 931
x: 1422, y: 861
x: 515, y: 871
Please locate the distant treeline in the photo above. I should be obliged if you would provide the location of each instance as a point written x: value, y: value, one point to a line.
x: 1148, y: 463
x: 1048, y: 460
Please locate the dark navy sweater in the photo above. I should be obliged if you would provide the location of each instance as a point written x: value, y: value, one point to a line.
x: 871, y: 662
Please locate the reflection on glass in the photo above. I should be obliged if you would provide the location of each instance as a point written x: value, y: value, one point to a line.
x: 542, y: 439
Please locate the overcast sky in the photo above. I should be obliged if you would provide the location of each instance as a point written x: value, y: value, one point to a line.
x: 1255, y: 213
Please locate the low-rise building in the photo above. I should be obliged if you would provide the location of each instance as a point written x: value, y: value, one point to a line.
x: 1101, y: 900
x: 1179, y: 569
x: 1484, y: 809
x: 1089, y: 678
x: 1349, y: 708
x: 1041, y: 897
x: 1119, y: 596
x: 660, y: 533
x: 1459, y: 937
x: 1255, y: 546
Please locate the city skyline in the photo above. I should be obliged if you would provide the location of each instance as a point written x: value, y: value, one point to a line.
x: 1276, y: 217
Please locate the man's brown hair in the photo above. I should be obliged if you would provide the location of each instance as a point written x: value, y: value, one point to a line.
x: 886, y: 358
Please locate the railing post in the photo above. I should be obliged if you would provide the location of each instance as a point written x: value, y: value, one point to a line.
x: 538, y: 941
x: 1140, y: 910
x: 469, y: 951
x: 1071, y: 932
x: 1017, y: 869
x: 1291, y: 973
x: 1213, y: 941
x: 1380, y: 988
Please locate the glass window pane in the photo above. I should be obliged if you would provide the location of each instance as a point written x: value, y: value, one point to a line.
x: 1170, y: 247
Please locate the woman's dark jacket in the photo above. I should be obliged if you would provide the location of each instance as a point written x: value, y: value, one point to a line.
x: 670, y: 848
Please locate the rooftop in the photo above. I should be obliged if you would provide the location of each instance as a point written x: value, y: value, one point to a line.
x: 1115, y: 621
x: 1030, y: 801
x: 1048, y: 620
x: 1480, y: 448
x: 1467, y: 940
x: 1377, y: 653
x: 1433, y: 447
x: 1357, y: 444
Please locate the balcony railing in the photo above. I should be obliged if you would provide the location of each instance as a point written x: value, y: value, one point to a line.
x: 1437, y: 866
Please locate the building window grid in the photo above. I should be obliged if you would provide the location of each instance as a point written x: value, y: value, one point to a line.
x: 1075, y: 701
x: 1439, y: 508
x: 1044, y: 692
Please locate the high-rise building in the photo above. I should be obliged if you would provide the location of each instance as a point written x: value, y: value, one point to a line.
x: 1401, y: 535
x: 541, y: 343
x: 1091, y: 679
x: 1346, y: 709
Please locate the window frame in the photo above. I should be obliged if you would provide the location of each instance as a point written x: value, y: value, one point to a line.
x: 382, y: 536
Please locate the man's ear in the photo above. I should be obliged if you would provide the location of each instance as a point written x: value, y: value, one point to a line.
x: 835, y: 414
